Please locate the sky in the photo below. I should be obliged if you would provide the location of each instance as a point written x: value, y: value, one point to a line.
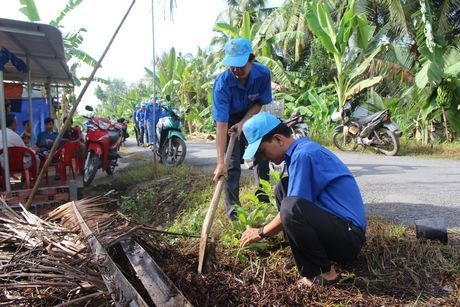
x: 190, y: 26
x: 132, y: 50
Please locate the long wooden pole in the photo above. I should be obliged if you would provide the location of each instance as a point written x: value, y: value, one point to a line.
x: 72, y: 111
x: 208, y: 220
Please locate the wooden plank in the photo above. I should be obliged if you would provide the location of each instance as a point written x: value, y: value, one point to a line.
x: 160, y: 288
x: 122, y: 292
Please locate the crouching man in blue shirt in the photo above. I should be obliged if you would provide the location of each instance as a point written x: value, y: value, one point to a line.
x: 321, y: 211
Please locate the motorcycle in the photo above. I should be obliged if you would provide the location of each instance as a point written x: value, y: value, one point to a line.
x: 375, y: 130
x: 103, y: 140
x: 122, y: 124
x: 171, y: 148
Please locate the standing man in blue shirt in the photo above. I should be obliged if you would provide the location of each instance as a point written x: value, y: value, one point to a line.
x: 239, y: 93
x: 152, y: 110
x: 321, y: 211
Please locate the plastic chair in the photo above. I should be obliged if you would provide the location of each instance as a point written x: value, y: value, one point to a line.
x: 64, y: 158
x: 16, y: 157
x: 67, y: 155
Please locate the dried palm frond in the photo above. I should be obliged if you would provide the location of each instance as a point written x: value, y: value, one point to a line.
x: 43, y: 263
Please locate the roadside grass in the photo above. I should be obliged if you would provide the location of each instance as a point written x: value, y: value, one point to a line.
x: 393, y: 268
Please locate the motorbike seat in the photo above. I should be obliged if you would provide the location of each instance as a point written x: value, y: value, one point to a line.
x: 114, y: 135
x: 373, y: 117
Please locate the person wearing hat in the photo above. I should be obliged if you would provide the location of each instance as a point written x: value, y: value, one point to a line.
x: 152, y: 111
x: 321, y: 211
x: 239, y: 92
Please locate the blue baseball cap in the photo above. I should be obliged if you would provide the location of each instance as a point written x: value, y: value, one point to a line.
x: 255, y: 129
x: 237, y: 52
x: 153, y: 96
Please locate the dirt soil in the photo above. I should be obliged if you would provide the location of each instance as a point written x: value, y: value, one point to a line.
x: 391, y: 270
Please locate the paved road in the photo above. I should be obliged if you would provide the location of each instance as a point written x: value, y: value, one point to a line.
x: 403, y: 189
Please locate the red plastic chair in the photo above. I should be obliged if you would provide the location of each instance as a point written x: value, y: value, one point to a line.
x: 64, y: 158
x: 67, y: 155
x: 16, y: 157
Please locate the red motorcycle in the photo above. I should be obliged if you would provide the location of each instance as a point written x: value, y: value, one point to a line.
x: 103, y: 140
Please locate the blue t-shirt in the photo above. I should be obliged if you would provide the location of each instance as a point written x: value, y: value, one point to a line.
x: 231, y: 97
x: 140, y: 117
x: 148, y: 114
x: 48, y: 138
x: 317, y: 175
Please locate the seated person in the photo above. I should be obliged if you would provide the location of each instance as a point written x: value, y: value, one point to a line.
x: 73, y: 133
x: 26, y: 136
x: 45, y: 139
x: 13, y: 139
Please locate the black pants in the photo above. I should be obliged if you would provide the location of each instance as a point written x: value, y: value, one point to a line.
x: 141, y: 134
x: 232, y: 185
x: 316, y: 237
x: 136, y: 131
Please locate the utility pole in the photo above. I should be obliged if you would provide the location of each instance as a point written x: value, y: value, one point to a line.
x: 154, y: 149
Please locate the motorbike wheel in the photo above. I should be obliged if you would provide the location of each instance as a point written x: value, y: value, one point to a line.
x: 387, y: 142
x: 177, y: 154
x: 91, y: 168
x: 298, y: 133
x: 344, y: 143
x: 111, y: 168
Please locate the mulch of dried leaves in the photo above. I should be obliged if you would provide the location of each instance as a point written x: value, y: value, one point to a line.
x: 390, y: 271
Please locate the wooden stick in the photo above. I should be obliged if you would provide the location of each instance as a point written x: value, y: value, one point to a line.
x: 205, y: 230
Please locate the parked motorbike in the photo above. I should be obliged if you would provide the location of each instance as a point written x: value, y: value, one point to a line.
x: 103, y: 140
x: 123, y: 125
x: 171, y: 148
x: 376, y: 130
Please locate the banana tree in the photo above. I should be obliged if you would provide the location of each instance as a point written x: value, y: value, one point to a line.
x: 438, y: 76
x: 350, y: 43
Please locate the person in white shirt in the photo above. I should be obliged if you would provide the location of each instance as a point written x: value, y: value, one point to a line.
x: 12, y: 138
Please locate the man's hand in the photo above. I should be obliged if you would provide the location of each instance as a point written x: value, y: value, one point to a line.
x: 221, y: 170
x: 237, y: 128
x: 249, y: 235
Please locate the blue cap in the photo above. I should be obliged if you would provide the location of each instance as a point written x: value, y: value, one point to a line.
x: 255, y: 129
x: 237, y: 52
x: 153, y: 96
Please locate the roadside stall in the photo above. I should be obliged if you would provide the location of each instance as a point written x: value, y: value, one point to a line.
x: 31, y: 54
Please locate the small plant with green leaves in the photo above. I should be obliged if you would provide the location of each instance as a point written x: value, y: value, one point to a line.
x: 252, y: 213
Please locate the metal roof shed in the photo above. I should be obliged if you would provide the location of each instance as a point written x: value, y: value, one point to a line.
x: 41, y: 47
